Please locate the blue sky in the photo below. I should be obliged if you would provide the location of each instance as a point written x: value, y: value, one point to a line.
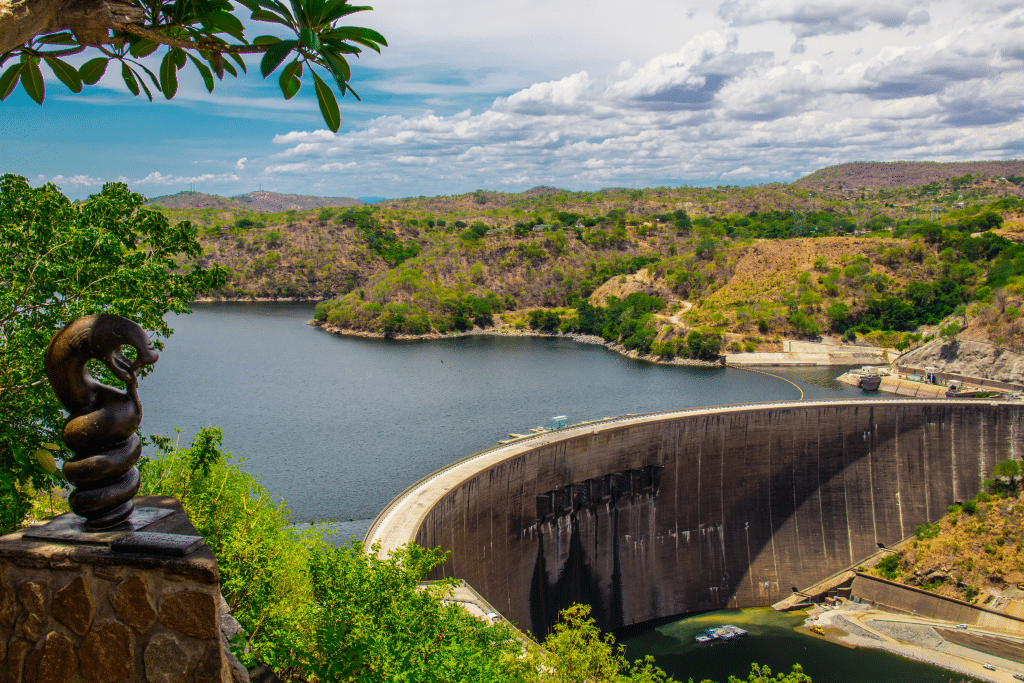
x: 580, y: 94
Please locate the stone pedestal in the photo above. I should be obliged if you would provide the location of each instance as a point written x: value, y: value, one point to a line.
x: 109, y: 613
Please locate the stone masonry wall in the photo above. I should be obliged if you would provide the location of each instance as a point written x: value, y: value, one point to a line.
x: 71, y: 614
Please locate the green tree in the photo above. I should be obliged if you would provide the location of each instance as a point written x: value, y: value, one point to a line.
x: 576, y: 652
x: 60, y: 261
x: 201, y: 33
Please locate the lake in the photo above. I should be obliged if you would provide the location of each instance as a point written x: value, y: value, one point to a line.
x: 337, y: 426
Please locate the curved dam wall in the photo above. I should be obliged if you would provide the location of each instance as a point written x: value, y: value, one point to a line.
x: 667, y: 514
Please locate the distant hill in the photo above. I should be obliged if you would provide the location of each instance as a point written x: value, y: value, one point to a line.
x: 373, y: 200
x: 258, y: 202
x: 878, y: 174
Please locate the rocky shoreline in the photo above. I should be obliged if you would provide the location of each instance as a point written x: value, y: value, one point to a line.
x: 507, y: 331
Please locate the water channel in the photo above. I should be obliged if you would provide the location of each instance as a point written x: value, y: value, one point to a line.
x: 337, y: 426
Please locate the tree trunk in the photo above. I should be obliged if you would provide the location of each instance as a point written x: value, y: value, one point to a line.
x: 89, y: 20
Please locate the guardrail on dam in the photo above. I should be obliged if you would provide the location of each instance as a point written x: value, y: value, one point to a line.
x: 657, y: 515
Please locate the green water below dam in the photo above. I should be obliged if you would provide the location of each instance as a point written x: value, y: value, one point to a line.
x: 772, y: 641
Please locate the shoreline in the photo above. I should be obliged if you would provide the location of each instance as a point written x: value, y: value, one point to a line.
x: 848, y: 627
x: 505, y: 331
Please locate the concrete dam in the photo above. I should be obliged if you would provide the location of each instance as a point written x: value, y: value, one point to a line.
x: 651, y: 516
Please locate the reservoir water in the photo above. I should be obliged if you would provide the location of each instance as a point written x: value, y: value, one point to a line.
x: 337, y: 426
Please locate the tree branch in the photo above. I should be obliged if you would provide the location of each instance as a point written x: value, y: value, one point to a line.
x: 202, y: 46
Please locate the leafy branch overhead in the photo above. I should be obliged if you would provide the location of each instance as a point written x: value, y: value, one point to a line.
x: 203, y: 33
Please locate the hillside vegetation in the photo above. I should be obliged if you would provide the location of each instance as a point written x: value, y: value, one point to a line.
x: 974, y: 553
x: 689, y: 269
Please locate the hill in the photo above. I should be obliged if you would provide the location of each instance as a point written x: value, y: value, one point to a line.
x: 974, y: 553
x: 256, y: 202
x: 739, y: 267
x: 907, y: 174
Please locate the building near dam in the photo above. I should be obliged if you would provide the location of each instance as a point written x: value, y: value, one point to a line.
x: 653, y: 516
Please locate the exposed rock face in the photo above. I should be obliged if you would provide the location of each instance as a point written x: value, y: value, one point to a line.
x: 967, y: 357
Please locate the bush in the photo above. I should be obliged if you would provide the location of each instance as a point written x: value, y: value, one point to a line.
x: 889, y: 567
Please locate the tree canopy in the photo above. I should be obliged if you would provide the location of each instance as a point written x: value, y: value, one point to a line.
x: 197, y: 32
x: 60, y: 261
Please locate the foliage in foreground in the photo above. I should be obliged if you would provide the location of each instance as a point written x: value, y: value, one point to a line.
x: 318, y: 613
x: 59, y: 261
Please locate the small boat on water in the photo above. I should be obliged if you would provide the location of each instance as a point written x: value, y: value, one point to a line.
x: 721, y: 633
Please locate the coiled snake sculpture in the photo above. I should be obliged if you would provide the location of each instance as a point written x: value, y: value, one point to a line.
x: 100, y: 429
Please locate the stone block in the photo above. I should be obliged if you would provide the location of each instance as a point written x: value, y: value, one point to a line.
x: 166, y: 659
x: 6, y: 600
x: 17, y: 652
x: 106, y: 653
x: 30, y: 625
x: 190, y: 612
x: 211, y: 667
x: 72, y: 606
x: 133, y: 604
x: 54, y: 662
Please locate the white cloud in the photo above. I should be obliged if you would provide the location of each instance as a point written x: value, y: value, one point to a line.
x: 158, y: 178
x: 76, y: 181
x: 718, y: 107
x: 240, y: 164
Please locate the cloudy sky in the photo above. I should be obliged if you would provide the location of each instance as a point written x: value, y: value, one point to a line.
x: 580, y: 94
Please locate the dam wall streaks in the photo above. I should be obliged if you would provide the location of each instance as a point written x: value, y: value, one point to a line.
x: 653, y: 516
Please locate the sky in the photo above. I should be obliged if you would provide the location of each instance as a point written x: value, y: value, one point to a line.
x: 577, y: 94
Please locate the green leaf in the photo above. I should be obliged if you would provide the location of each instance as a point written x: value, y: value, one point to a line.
x: 46, y: 461
x: 32, y: 79
x: 364, y: 36
x: 129, y: 79
x: 288, y: 82
x: 204, y: 71
x: 9, y: 80
x: 238, y: 60
x: 92, y: 71
x: 168, y: 75
x: 230, y: 69
x: 179, y: 57
x: 264, y: 15
x: 62, y: 38
x: 339, y: 69
x: 328, y: 105
x: 150, y: 95
x: 228, y: 23
x: 275, y: 55
x: 309, y: 38
x: 67, y: 74
x: 50, y: 446
x: 265, y: 40
x: 143, y: 47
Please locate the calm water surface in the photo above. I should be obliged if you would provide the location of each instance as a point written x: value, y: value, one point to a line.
x: 772, y: 642
x: 337, y: 426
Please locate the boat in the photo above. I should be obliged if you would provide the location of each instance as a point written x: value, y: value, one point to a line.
x: 722, y: 633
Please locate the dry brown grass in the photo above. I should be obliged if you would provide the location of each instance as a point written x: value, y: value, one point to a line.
x: 973, y: 552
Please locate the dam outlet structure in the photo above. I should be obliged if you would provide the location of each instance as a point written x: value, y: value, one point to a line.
x: 652, y: 516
